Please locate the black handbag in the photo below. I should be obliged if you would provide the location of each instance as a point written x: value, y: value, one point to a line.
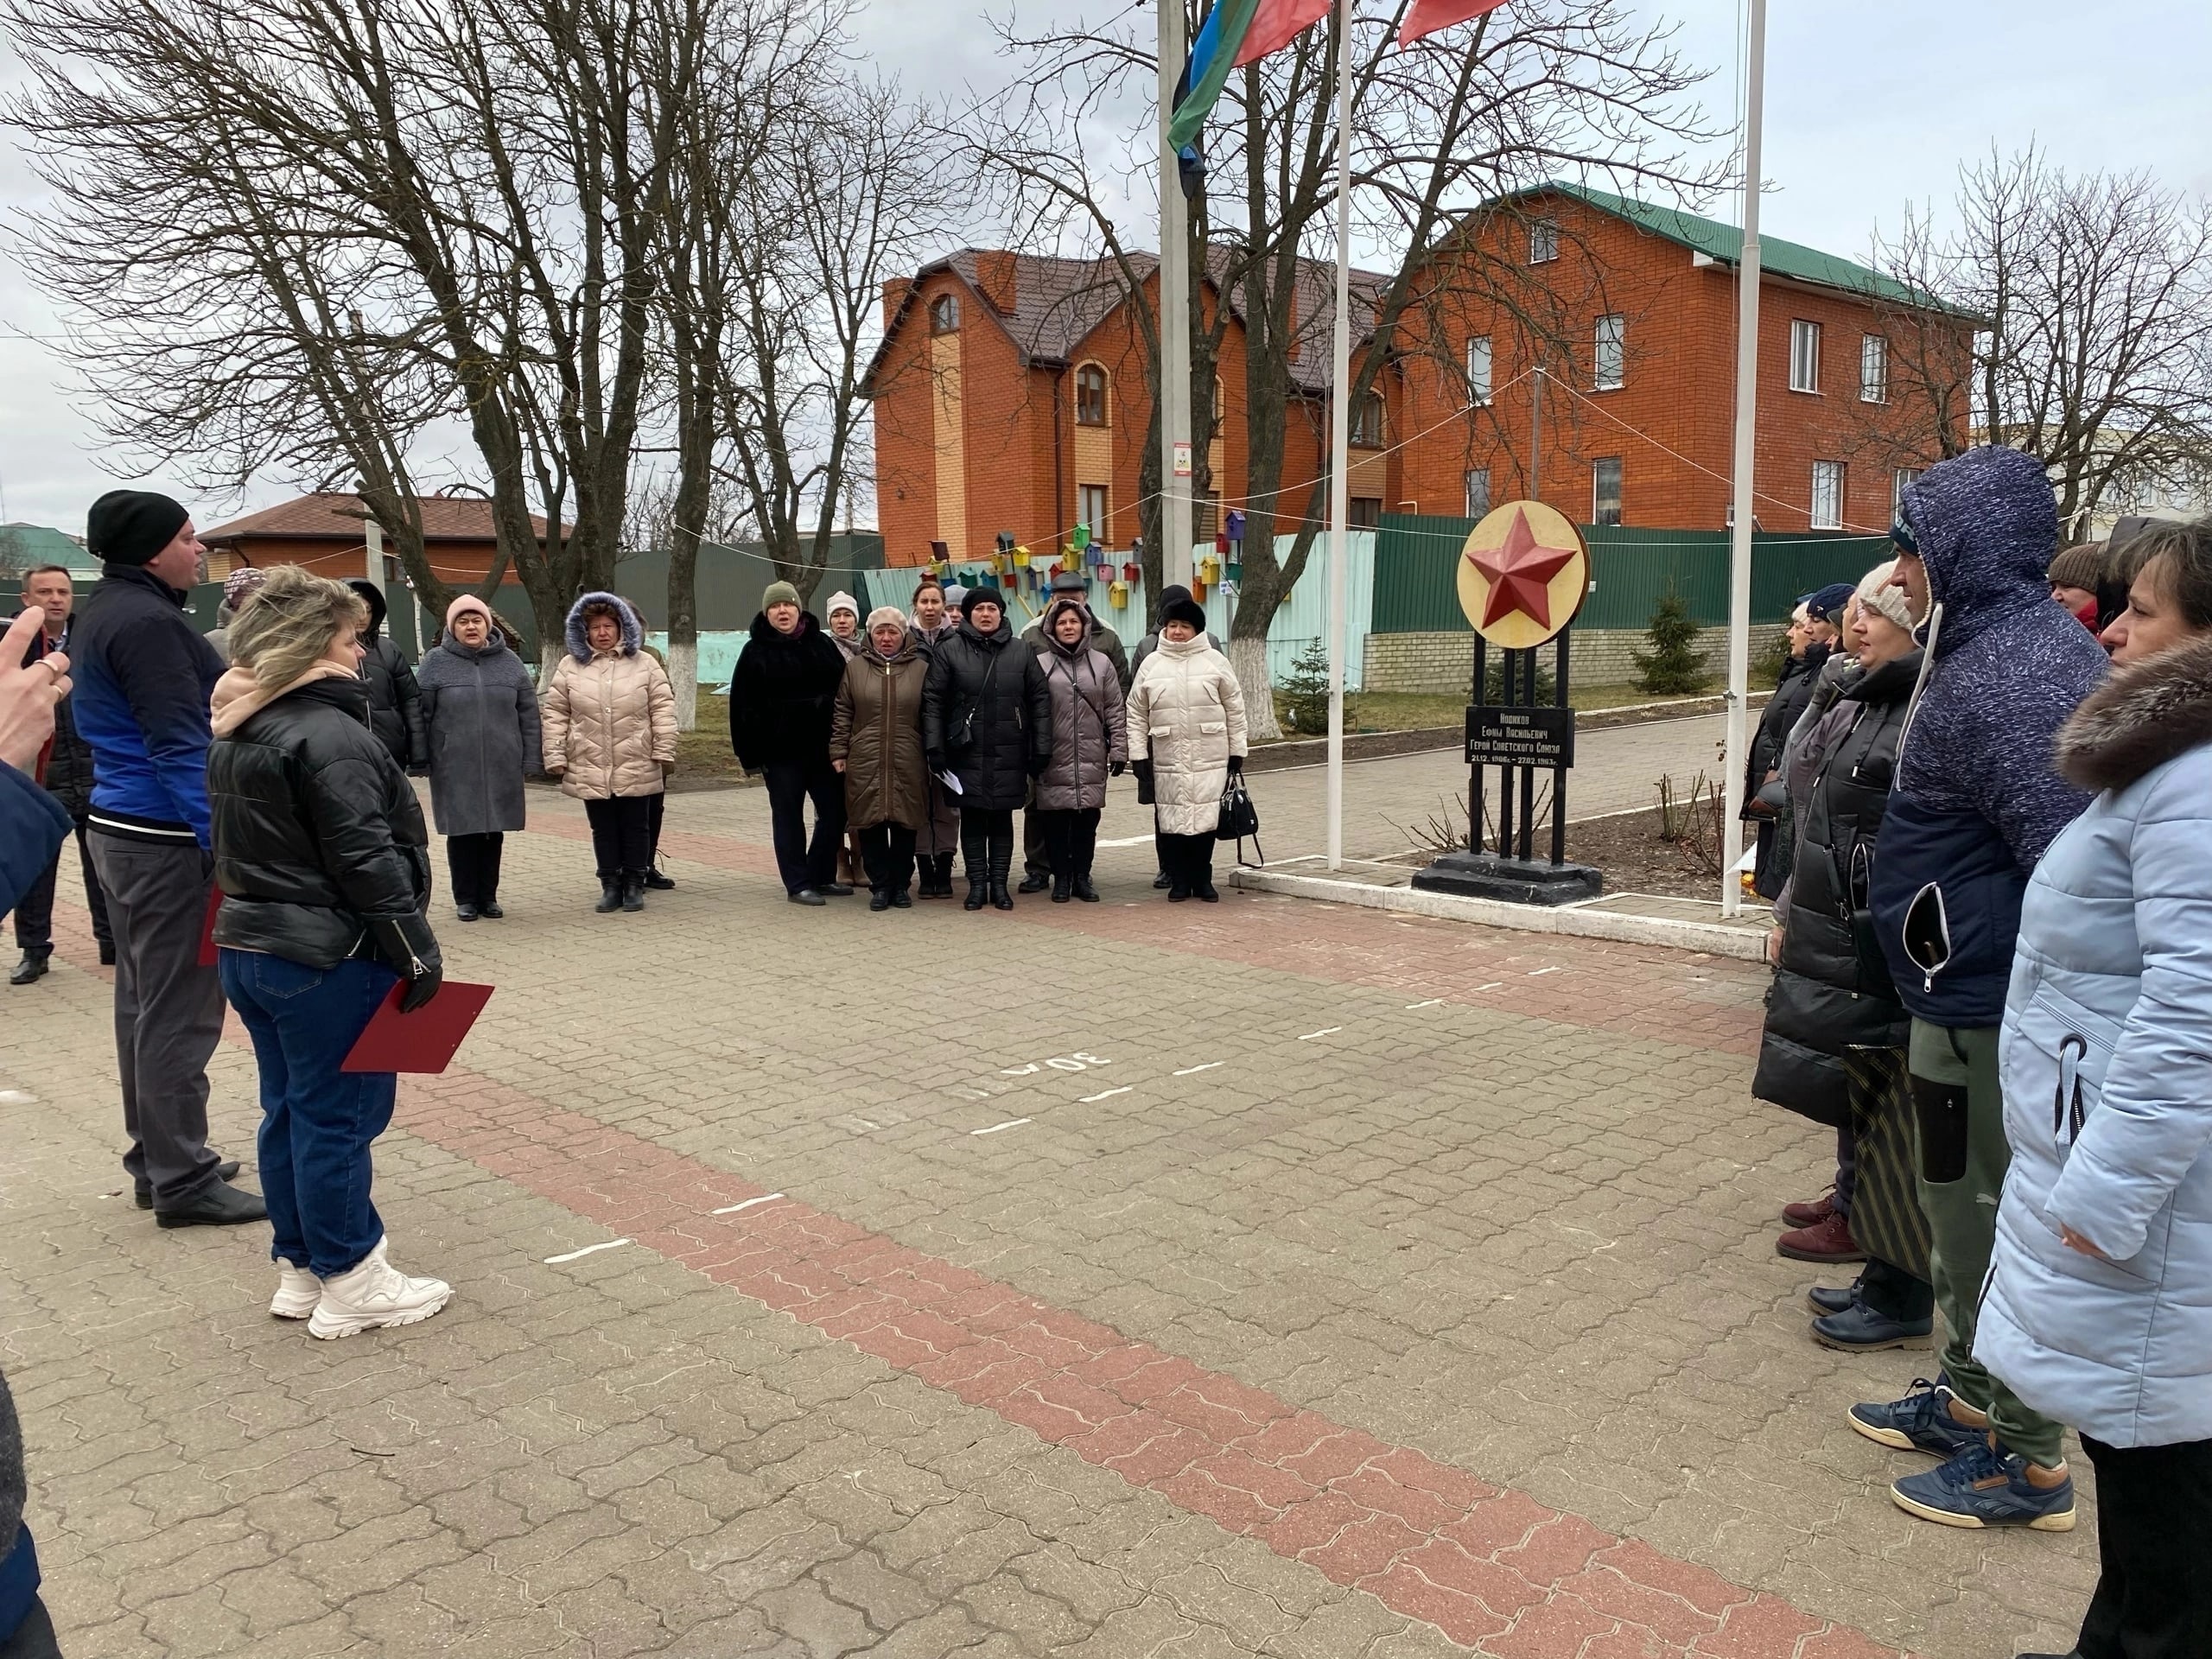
x: 1239, y: 818
x: 963, y: 736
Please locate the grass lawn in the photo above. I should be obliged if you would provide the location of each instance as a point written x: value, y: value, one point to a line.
x: 1406, y: 711
x: 703, y: 756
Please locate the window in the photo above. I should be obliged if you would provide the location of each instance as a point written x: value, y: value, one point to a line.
x: 945, y: 314
x: 1612, y: 352
x: 1090, y: 511
x: 1478, y: 492
x: 1543, y: 242
x: 1091, y: 395
x: 1828, y: 495
x: 1898, y: 480
x: 1804, y: 355
x: 1366, y: 512
x: 1873, y: 369
x: 1367, y: 422
x: 1478, y: 361
x: 1606, y: 490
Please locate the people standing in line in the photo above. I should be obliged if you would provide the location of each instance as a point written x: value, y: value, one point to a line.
x: 782, y: 697
x: 986, y: 719
x: 1037, y: 867
x: 939, y: 838
x: 2099, y: 1306
x: 875, y: 742
x: 843, y: 616
x: 480, y: 724
x: 1975, y: 801
x: 1090, y: 744
x: 395, y: 694
x: 66, y: 770
x: 1811, y: 638
x: 239, y: 589
x: 608, y: 719
x: 325, y: 867
x: 143, y: 674
x: 1834, y: 1043
x: 1186, y: 738
x: 33, y: 824
x: 1161, y: 881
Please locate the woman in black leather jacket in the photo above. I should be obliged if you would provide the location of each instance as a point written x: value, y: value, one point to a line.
x: 324, y: 866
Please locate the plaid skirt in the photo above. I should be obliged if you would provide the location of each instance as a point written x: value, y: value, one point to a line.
x: 1885, y: 1214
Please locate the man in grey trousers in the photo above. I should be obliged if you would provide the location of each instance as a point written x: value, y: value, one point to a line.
x: 143, y: 678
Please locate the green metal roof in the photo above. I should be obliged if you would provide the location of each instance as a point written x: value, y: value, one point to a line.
x: 1725, y: 243
x: 25, y: 547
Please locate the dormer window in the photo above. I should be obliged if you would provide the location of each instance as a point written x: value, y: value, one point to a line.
x: 945, y: 314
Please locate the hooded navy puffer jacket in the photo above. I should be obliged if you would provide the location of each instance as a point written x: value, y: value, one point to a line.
x: 1978, y: 795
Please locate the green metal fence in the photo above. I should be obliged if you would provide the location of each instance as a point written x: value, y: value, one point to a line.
x: 1417, y: 572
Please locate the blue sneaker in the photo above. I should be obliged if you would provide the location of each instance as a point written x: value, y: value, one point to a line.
x: 1921, y: 1421
x: 1985, y: 1487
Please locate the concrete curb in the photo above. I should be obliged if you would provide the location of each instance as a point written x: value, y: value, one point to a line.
x: 1710, y: 938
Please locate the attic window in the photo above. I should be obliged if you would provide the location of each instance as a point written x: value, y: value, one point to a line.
x: 1091, y: 395
x: 945, y: 314
x: 1543, y: 241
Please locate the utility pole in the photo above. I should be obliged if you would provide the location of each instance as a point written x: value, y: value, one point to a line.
x: 1175, y: 469
x: 1740, y: 536
x: 1340, y: 444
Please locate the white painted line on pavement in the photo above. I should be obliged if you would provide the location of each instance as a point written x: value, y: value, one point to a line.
x: 1192, y: 1071
x: 1431, y: 1003
x: 1538, y: 973
x: 16, y: 1098
x: 732, y: 1209
x: 1011, y: 1124
x: 1127, y: 840
x: 611, y: 1244
x: 1324, y: 1031
x: 1109, y: 1094
x: 1492, y: 986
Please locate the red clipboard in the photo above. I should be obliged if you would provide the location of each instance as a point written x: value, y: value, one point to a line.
x: 424, y: 1040
x: 207, y: 926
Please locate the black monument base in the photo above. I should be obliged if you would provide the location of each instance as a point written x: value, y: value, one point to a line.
x: 1517, y: 880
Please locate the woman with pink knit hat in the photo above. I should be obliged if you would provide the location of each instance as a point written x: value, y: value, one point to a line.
x: 481, y: 711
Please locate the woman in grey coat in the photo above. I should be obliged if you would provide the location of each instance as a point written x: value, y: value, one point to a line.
x: 1090, y: 742
x: 480, y: 712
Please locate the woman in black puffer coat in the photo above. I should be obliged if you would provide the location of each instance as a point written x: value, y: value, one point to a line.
x: 325, y: 869
x: 986, y: 717
x: 395, y: 694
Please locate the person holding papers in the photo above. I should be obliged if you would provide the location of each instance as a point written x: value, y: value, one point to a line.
x: 325, y: 867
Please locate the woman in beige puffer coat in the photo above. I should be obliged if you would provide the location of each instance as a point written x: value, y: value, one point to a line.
x: 609, y: 721
x: 1186, y: 740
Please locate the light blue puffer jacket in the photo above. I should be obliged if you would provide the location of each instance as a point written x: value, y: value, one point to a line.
x: 2106, y: 1061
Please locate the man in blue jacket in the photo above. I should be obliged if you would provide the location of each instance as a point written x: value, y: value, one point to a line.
x: 1977, y: 799
x: 143, y: 674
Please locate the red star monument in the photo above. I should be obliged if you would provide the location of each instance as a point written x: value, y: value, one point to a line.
x: 1520, y: 574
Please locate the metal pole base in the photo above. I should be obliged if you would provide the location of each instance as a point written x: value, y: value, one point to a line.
x: 1514, y: 881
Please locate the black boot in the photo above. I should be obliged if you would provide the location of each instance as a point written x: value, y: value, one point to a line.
x: 979, y: 893
x: 633, y: 890
x: 610, y: 894
x: 657, y: 882
x: 943, y: 864
x: 1085, y: 891
x: 30, y: 969
x: 1063, y: 889
x: 1001, y: 867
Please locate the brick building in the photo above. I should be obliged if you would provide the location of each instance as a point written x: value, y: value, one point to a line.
x: 1010, y: 393
x: 325, y: 533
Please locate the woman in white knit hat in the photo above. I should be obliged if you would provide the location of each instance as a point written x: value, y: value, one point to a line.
x: 844, y: 615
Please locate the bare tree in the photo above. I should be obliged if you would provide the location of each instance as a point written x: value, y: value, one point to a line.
x: 1555, y: 86
x: 2092, y: 349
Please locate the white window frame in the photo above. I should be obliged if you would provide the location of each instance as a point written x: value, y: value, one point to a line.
x: 1094, y: 507
x: 1873, y: 369
x: 1836, y: 478
x: 1473, y: 474
x: 1804, y: 355
x: 1598, y: 491
x: 1610, y: 353
x: 1480, y: 361
x: 1899, y: 477
x: 1543, y: 241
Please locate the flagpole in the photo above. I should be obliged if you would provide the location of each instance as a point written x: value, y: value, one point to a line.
x: 1740, y: 538
x: 1174, y: 391
x: 1340, y: 441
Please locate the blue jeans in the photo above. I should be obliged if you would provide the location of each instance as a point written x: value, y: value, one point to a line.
x: 317, y: 1121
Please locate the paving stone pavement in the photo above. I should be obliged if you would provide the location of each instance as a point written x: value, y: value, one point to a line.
x: 1267, y: 1278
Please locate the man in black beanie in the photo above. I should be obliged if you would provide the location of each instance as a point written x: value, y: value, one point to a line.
x: 143, y: 674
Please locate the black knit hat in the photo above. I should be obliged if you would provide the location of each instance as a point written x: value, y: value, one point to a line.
x: 1183, y: 608
x: 980, y: 595
x: 132, y: 526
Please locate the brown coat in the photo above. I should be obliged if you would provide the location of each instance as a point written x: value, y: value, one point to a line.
x: 609, y: 725
x: 875, y: 729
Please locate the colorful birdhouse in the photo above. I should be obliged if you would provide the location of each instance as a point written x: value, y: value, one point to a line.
x: 1133, y: 572
x: 1118, y: 594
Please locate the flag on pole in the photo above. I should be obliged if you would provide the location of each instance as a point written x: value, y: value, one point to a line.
x: 1427, y: 16
x: 1235, y: 32
x: 1277, y: 24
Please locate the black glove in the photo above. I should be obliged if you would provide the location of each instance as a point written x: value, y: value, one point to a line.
x: 1116, y: 768
x: 1236, y: 765
x: 1038, y: 764
x: 934, y: 759
x: 410, y: 949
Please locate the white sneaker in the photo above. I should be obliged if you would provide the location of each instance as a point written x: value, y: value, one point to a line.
x: 372, y: 1294
x: 297, y: 1293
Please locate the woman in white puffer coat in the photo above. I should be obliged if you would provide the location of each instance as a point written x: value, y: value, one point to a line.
x: 1186, y: 741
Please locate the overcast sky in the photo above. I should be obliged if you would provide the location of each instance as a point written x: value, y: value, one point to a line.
x: 1869, y: 106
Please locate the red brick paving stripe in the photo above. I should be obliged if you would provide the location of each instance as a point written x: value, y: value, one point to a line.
x: 1493, y: 1570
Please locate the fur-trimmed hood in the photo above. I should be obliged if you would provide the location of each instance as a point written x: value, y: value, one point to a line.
x: 2142, y: 716
x: 572, y: 631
